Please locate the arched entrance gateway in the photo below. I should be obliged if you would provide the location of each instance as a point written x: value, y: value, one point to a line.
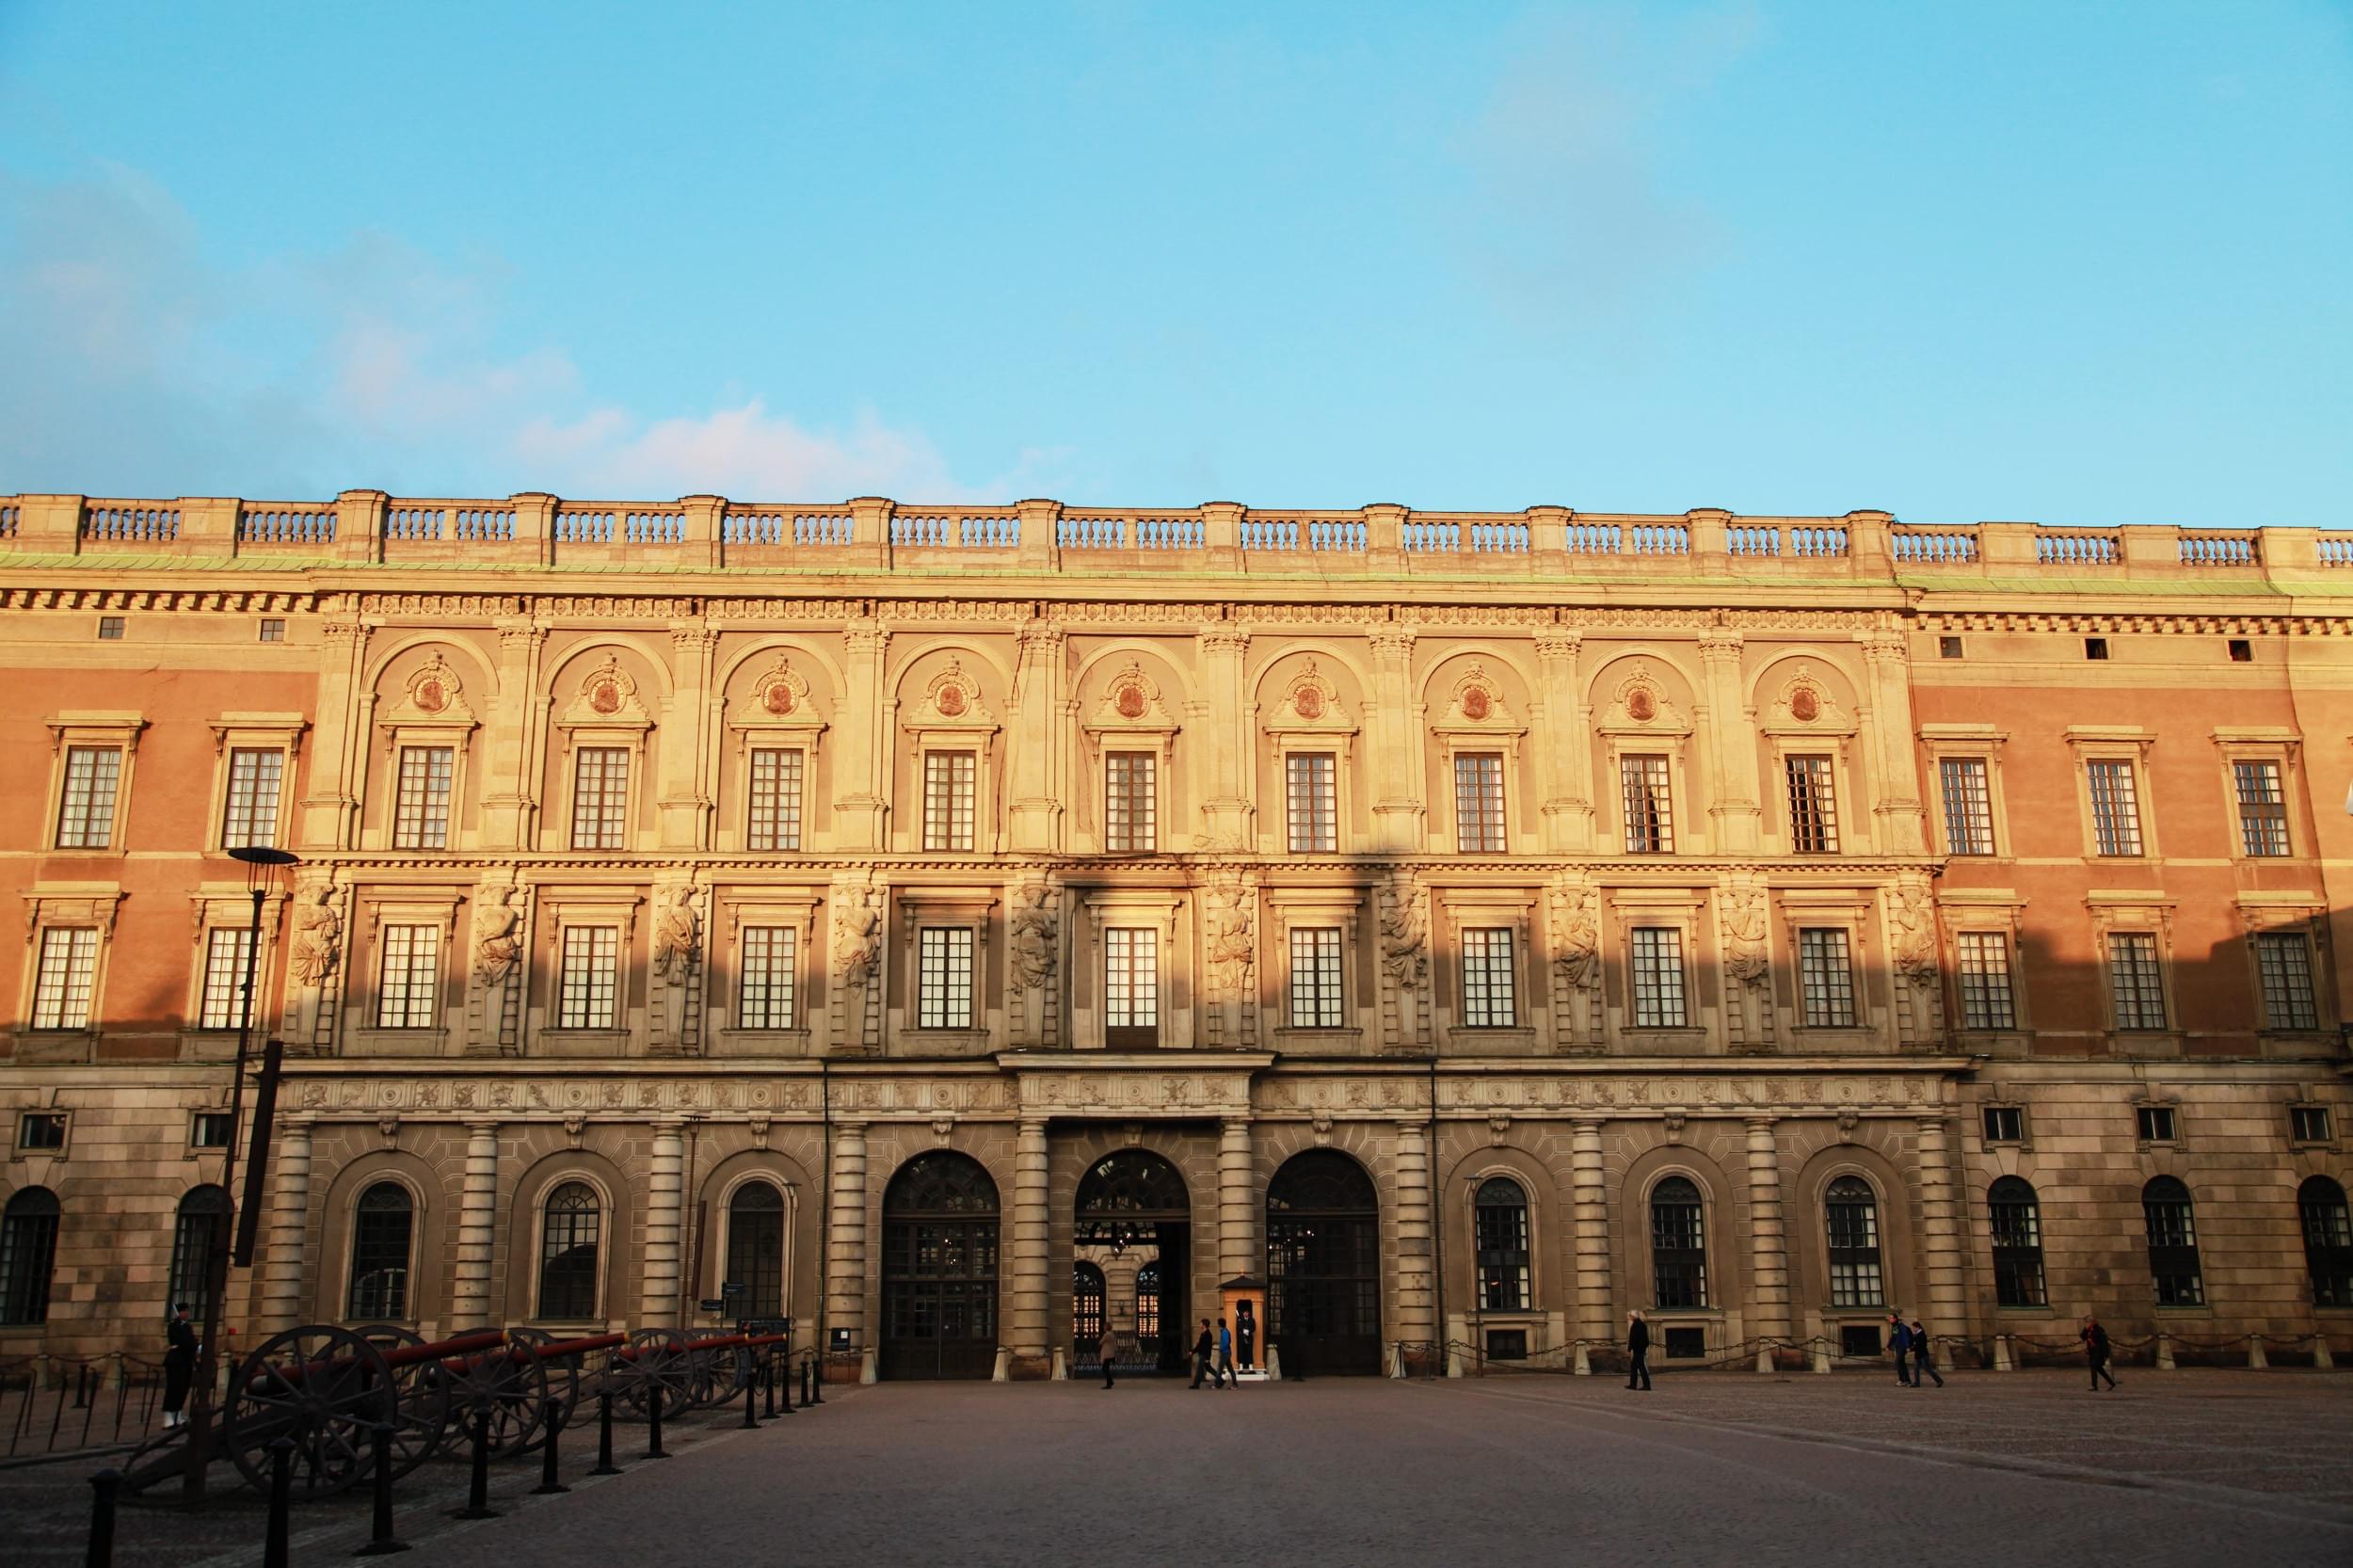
x: 1131, y: 1243
x: 939, y: 1270
x: 1323, y: 1264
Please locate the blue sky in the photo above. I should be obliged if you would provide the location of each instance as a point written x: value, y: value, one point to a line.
x: 2079, y: 265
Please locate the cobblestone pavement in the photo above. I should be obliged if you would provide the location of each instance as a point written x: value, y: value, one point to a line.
x: 2192, y: 1468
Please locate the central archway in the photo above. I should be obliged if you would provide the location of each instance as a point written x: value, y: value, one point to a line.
x: 939, y: 1270
x: 1323, y: 1264
x: 1132, y: 1228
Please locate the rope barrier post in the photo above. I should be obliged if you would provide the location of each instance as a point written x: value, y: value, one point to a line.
x: 653, y: 1423
x: 103, y: 1486
x: 1821, y: 1354
x: 2256, y: 1359
x: 2165, y: 1352
x: 478, y: 1484
x: 380, y: 1538
x: 1583, y: 1365
x: 2002, y: 1359
x: 604, y: 1435
x: 281, y: 1451
x: 2322, y: 1360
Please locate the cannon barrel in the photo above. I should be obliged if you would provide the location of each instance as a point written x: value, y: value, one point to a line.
x: 557, y: 1351
x: 464, y: 1344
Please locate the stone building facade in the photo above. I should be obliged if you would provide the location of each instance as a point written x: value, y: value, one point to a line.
x: 1470, y: 926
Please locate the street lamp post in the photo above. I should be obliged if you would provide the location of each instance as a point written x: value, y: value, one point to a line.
x: 261, y: 866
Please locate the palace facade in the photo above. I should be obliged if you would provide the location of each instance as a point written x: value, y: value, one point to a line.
x: 957, y: 929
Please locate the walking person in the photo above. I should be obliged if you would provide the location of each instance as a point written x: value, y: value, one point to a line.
x: 179, y: 1363
x: 1224, y: 1356
x: 1203, y: 1366
x: 1108, y: 1348
x: 1923, y: 1364
x: 2095, y: 1341
x: 1637, y: 1350
x: 1899, y: 1340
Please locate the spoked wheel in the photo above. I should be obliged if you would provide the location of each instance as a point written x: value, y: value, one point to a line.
x: 563, y: 1376
x: 420, y: 1423
x: 325, y: 1388
x: 508, y: 1386
x: 720, y: 1374
x: 655, y: 1359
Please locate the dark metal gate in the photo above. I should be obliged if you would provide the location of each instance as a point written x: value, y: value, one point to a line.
x: 1136, y: 1199
x: 939, y: 1270
x: 1324, y: 1265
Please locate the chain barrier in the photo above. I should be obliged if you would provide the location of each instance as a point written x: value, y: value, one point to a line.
x: 53, y: 1404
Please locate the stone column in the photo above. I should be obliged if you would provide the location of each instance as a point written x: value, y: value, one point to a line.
x: 1221, y: 778
x: 1728, y: 747
x: 1768, y: 1261
x: 862, y: 754
x: 329, y: 811
x: 477, y: 1228
x: 507, y: 754
x: 1947, y: 1302
x: 845, y: 1243
x: 685, y: 794
x: 1393, y: 771
x: 1564, y: 747
x: 1035, y: 785
x: 1237, y: 1206
x: 657, y: 1304
x: 1591, y: 1207
x: 1900, y: 819
x: 1416, y: 1262
x: 1030, y: 1220
x: 289, y: 1220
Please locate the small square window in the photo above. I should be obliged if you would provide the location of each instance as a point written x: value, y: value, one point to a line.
x: 1507, y: 1344
x: 110, y: 629
x: 1858, y: 1339
x: 2242, y: 651
x: 2095, y: 648
x: 2005, y: 1124
x: 209, y: 1130
x: 1948, y: 647
x: 1686, y: 1344
x: 40, y: 1130
x: 2309, y: 1123
x: 2156, y: 1124
x: 273, y: 628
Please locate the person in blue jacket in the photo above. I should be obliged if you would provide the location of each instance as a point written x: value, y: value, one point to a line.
x: 1899, y: 1340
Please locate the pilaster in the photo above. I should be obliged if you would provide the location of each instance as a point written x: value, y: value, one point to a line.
x: 687, y: 749
x: 1941, y: 1224
x: 846, y: 1241
x: 860, y: 805
x: 1030, y: 1225
x: 1236, y: 1203
x: 1224, y: 785
x: 477, y: 1228
x: 1729, y: 745
x: 512, y: 737
x: 1589, y: 1208
x: 1564, y: 747
x: 1768, y: 1262
x: 658, y: 1300
x: 1394, y: 752
x: 289, y: 1220
x: 1416, y: 1260
x: 1034, y: 786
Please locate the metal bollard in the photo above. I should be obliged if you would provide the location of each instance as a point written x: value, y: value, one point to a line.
x: 380, y: 1539
x: 478, y: 1485
x: 548, y: 1486
x: 751, y: 1404
x: 102, y: 1487
x: 604, y: 1436
x: 281, y: 1451
x: 653, y: 1425
x: 782, y: 1372
x: 768, y: 1376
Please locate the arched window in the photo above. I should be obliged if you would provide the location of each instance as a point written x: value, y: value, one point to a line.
x: 756, y: 1249
x: 569, y: 1250
x: 2328, y: 1241
x: 2017, y: 1225
x: 28, y: 1252
x: 1678, y: 1244
x: 197, y: 1234
x: 1500, y: 1209
x: 1148, y: 1304
x: 380, y: 1231
x: 1850, y: 1214
x: 1086, y: 1307
x: 2172, y: 1243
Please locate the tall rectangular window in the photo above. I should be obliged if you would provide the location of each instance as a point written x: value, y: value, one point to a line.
x: 1131, y: 986
x: 948, y: 777
x: 1315, y: 977
x: 1813, y: 807
x: 943, y: 977
x: 2262, y: 810
x: 252, y: 814
x: 601, y: 797
x: 588, y: 988
x: 225, y: 947
x: 1311, y: 795
x: 1968, y: 806
x: 1657, y: 954
x: 776, y: 799
x: 421, y: 809
x: 765, y: 998
x: 2283, y: 960
x: 1984, y: 976
x: 61, y: 986
x: 86, y: 811
x: 1825, y: 978
x: 409, y: 986
x: 1487, y: 979
x: 2133, y: 982
x: 2115, y: 808
x: 1649, y: 813
x: 1130, y: 813
x: 1478, y: 803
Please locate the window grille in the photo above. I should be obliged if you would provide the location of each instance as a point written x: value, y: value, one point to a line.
x: 947, y: 785
x: 1315, y: 977
x: 1985, y: 994
x: 2283, y: 961
x: 1649, y: 809
x: 2173, y: 1267
x: 1478, y: 803
x: 409, y: 989
x: 588, y: 995
x: 756, y: 1216
x: 2016, y: 1221
x: 1678, y: 1244
x: 2115, y: 808
x: 2133, y: 982
x: 1657, y: 964
x: 2262, y: 810
x: 1500, y: 1211
x: 252, y: 814
x: 86, y: 811
x: 1129, y: 812
x: 225, y: 950
x: 62, y: 983
x: 1825, y: 978
x: 1487, y: 978
x: 29, y: 1256
x: 1968, y: 806
x: 775, y: 810
x: 380, y: 1235
x: 1851, y: 1219
x: 944, y: 977
x: 1312, y: 795
x: 421, y: 811
x: 601, y: 797
x: 1131, y: 986
x: 764, y: 1000
x: 1813, y: 807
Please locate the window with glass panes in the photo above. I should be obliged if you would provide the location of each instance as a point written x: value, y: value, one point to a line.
x: 776, y: 819
x: 2262, y: 810
x: 601, y: 797
x: 1315, y: 977
x: 408, y: 982
x: 2115, y: 808
x: 2004, y: 1123
x: 85, y: 810
x: 1825, y: 978
x: 2309, y: 1123
x: 2283, y: 961
x: 943, y: 977
x: 1649, y: 810
x: 1984, y: 980
x: 1130, y: 814
x: 764, y: 998
x: 1311, y: 794
x: 1131, y: 986
x: 1499, y: 1211
x: 948, y: 786
x: 2134, y: 986
x: 588, y: 985
x: 1813, y: 807
x: 421, y: 802
x: 1678, y: 1244
x: 1968, y: 806
x: 251, y: 816
x: 756, y: 1249
x: 381, y: 1228
x: 62, y: 983
x: 1479, y: 802
x: 196, y: 1235
x: 29, y: 1256
x: 1657, y: 955
x: 2173, y: 1267
x: 570, y: 1230
x: 2328, y: 1241
x: 225, y: 947
x: 1850, y: 1216
x: 2016, y: 1222
x: 1487, y: 978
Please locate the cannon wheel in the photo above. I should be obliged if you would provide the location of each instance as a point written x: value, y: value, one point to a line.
x: 654, y: 1358
x: 327, y: 1389
x: 563, y: 1374
x: 422, y: 1421
x: 509, y: 1386
x: 720, y: 1374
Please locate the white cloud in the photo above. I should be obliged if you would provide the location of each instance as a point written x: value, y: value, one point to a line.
x: 744, y: 452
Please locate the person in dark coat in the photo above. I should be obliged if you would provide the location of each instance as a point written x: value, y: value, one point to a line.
x: 1246, y: 1334
x: 1899, y: 1340
x: 1204, y: 1366
x: 1923, y: 1365
x: 1637, y: 1350
x: 2095, y: 1341
x: 179, y: 1362
x: 1108, y: 1348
